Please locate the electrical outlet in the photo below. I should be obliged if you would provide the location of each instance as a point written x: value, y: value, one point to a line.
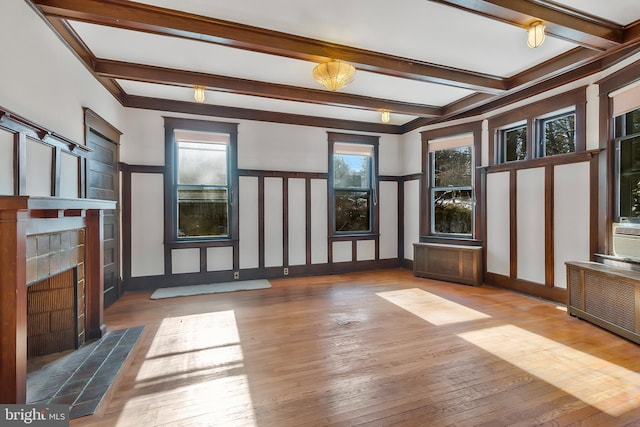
x: 236, y: 275
x: 286, y: 271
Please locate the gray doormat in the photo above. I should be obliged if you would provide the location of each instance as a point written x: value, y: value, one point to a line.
x: 213, y: 288
x: 82, y: 378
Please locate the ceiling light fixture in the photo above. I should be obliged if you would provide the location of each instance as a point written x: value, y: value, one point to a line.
x: 198, y: 93
x: 334, y: 75
x: 386, y: 116
x: 535, y: 34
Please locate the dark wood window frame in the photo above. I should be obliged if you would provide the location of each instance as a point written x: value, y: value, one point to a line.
x: 426, y: 234
x: 373, y: 234
x: 533, y: 115
x: 607, y: 204
x: 541, y: 146
x: 170, y: 213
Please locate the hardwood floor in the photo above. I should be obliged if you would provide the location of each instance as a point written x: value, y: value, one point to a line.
x: 375, y: 348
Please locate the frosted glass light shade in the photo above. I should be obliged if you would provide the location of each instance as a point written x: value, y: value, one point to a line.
x: 198, y: 93
x: 535, y: 34
x: 385, y: 117
x: 334, y: 75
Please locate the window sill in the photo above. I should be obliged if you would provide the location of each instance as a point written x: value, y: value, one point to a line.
x: 199, y: 243
x: 449, y: 240
x: 353, y: 236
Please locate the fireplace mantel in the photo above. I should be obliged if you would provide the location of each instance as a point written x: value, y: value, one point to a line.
x: 22, y: 216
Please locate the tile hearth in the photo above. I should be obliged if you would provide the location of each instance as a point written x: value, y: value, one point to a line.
x: 82, y: 377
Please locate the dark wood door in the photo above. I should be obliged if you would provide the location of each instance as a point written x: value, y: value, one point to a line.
x: 102, y: 183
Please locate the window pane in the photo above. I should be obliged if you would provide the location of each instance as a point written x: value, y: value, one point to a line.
x: 559, y: 135
x: 452, y: 168
x: 630, y: 178
x: 632, y: 122
x: 453, y: 211
x: 202, y: 212
x: 202, y: 163
x: 351, y: 171
x: 352, y: 210
x: 515, y: 144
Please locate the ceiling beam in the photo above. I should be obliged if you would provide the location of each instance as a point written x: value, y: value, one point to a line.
x: 561, y: 22
x: 156, y: 20
x: 249, y: 114
x: 145, y: 73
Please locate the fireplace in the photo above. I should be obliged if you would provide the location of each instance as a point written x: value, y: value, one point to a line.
x: 47, y: 239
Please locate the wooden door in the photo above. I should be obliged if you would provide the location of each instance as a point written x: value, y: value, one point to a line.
x: 102, y: 183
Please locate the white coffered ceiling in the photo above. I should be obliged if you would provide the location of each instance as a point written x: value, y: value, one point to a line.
x: 420, y: 59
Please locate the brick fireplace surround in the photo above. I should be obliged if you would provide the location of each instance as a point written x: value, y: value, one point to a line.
x: 22, y: 217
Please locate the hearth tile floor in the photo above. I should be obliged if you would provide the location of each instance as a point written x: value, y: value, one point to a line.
x: 82, y: 377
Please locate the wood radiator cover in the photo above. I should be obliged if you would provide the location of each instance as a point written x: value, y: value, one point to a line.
x: 453, y: 263
x: 606, y: 296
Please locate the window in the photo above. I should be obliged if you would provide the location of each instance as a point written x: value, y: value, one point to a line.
x: 201, y: 159
x: 353, y: 183
x: 202, y: 187
x: 451, y: 182
x: 628, y: 164
x: 557, y: 135
x: 514, y: 141
x: 353, y: 187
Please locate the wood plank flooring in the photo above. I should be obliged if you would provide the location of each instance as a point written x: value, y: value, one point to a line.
x: 376, y: 348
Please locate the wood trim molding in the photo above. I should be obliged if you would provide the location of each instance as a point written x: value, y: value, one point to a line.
x: 101, y: 126
x: 558, y: 295
x: 17, y: 124
x: 261, y: 116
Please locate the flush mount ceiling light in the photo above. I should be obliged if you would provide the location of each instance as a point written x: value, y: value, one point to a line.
x: 535, y: 34
x: 385, y: 116
x: 198, y: 93
x: 334, y: 75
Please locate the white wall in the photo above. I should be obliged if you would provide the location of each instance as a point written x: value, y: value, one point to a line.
x: 281, y: 148
x: 498, y: 235
x: 43, y: 81
x: 530, y: 226
x: 571, y: 218
x: 147, y: 247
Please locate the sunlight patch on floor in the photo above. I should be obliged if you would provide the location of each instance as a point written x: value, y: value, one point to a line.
x: 551, y: 361
x: 205, y: 371
x: 432, y: 308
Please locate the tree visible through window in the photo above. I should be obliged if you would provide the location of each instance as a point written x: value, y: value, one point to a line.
x: 353, y: 187
x: 452, y: 191
x: 558, y: 135
x: 515, y: 144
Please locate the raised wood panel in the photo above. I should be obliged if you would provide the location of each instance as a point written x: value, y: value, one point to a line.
x: 102, y: 183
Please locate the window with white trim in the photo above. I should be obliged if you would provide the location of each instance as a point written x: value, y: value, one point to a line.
x: 202, y: 184
x: 451, y: 186
x: 353, y: 187
x: 201, y: 180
